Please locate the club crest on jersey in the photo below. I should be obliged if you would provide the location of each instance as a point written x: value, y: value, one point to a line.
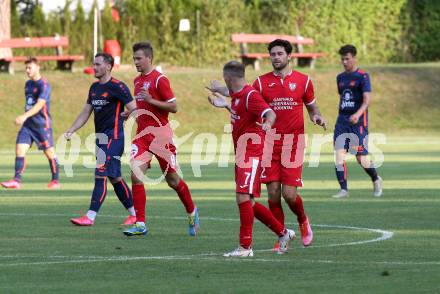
x: 146, y: 85
x: 292, y: 86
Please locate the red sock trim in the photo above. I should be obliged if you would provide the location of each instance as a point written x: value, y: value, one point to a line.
x: 263, y: 214
x: 185, y: 196
x: 139, y: 201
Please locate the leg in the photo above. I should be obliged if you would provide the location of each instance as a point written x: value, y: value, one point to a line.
x: 178, y: 184
x: 139, y: 194
x: 368, y: 166
x: 53, y: 164
x: 125, y: 197
x: 246, y: 219
x: 274, y: 200
x: 20, y: 163
x: 182, y: 190
x: 341, y: 172
x: 98, y: 196
x: 295, y: 203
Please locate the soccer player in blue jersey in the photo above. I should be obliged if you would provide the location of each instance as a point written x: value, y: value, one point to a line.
x: 107, y: 98
x: 351, y: 129
x: 36, y: 126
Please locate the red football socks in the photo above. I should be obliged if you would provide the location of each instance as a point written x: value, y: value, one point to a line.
x: 298, y: 209
x: 139, y: 201
x: 246, y: 223
x: 185, y: 196
x: 263, y: 214
x: 277, y: 211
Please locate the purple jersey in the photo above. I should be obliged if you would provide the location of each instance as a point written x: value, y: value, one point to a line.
x: 108, y: 102
x: 351, y: 87
x: 35, y: 90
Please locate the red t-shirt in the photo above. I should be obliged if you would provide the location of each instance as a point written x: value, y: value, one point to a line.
x: 159, y: 88
x: 248, y: 108
x: 286, y: 97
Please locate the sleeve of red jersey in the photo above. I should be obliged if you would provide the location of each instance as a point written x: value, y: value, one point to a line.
x: 309, y: 93
x: 164, y: 89
x: 257, y: 85
x: 256, y: 105
x: 125, y: 95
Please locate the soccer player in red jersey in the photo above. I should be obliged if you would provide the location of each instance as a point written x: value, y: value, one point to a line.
x: 286, y: 91
x: 154, y: 137
x: 250, y: 118
x: 107, y: 98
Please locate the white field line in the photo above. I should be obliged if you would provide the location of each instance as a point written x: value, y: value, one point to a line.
x: 87, y: 259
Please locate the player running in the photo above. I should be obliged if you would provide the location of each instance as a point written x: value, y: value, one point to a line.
x: 351, y: 129
x: 36, y: 126
x: 107, y: 98
x: 154, y: 137
x: 251, y: 117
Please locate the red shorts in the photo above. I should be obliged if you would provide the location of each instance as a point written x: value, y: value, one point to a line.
x: 248, y: 178
x: 284, y: 164
x: 144, y: 150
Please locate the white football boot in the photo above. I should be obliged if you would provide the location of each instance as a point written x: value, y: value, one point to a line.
x: 240, y: 252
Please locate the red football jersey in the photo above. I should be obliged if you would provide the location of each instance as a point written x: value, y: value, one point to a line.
x: 286, y: 97
x: 159, y: 88
x: 248, y: 108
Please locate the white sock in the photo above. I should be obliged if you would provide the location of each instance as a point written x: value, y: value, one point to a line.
x: 131, y: 211
x: 140, y: 224
x: 91, y: 214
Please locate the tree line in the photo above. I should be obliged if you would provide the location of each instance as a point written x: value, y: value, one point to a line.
x: 383, y: 30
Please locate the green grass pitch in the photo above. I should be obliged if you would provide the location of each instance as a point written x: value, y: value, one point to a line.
x: 362, y: 244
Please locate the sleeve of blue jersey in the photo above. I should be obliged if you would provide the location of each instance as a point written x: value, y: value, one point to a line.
x: 44, y: 90
x: 366, y: 85
x: 125, y: 95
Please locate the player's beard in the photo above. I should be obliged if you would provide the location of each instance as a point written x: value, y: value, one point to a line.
x: 280, y: 66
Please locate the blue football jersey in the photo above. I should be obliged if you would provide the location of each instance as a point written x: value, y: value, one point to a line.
x: 108, y: 102
x: 351, y: 87
x: 35, y: 90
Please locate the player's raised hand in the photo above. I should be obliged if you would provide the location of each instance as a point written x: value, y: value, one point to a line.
x: 218, y: 100
x: 19, y: 120
x: 320, y: 121
x: 215, y: 86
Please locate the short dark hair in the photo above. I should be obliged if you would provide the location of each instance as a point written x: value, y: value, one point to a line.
x: 145, y: 47
x: 280, y: 42
x: 107, y: 58
x: 347, y: 49
x: 31, y: 59
x: 234, y: 68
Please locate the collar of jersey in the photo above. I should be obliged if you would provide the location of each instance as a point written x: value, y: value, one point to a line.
x: 291, y: 71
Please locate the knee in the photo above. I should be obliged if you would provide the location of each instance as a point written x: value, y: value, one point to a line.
x: 290, y: 195
x: 274, y: 194
x: 115, y: 180
x: 135, y: 180
x: 173, y: 181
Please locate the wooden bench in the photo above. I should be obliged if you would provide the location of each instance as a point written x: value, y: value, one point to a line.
x: 300, y: 57
x: 64, y: 62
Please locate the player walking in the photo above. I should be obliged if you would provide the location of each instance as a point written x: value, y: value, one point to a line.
x: 351, y: 129
x: 36, y: 126
x: 107, y: 98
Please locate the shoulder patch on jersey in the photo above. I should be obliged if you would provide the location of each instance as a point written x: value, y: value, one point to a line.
x: 113, y: 80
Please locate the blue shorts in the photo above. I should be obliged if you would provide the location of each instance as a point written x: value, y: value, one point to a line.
x: 108, y: 163
x: 352, y: 138
x: 41, y: 136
